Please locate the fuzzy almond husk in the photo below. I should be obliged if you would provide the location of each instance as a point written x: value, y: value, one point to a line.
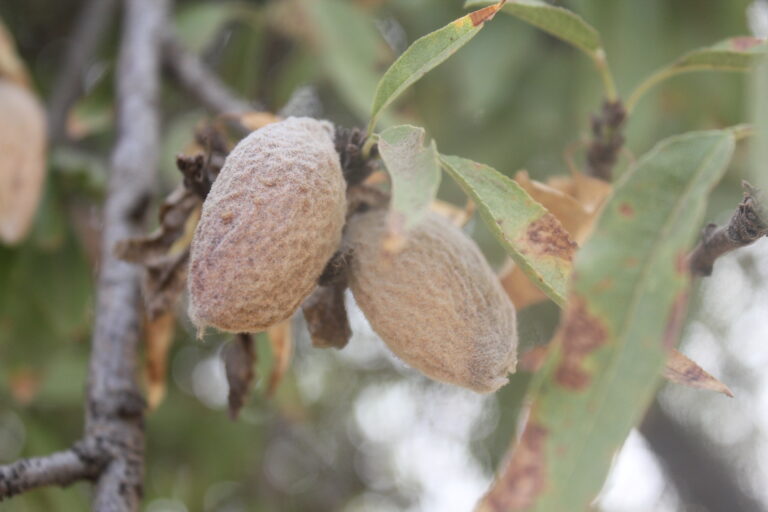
x: 437, y: 304
x: 22, y: 160
x: 270, y: 223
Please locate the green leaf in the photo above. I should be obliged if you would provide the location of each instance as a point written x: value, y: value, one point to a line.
x: 415, y: 173
x: 532, y: 236
x: 561, y: 23
x: 349, y: 54
x: 626, y: 304
x: 425, y: 54
x: 564, y: 25
x: 735, y: 54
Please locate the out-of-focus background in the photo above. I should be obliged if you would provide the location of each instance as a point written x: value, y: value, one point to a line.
x: 355, y: 430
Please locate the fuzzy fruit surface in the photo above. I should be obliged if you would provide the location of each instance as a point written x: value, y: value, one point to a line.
x: 22, y: 160
x: 271, y: 222
x: 437, y: 303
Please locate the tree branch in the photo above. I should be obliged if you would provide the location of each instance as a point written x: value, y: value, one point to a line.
x: 61, y: 468
x: 194, y: 76
x: 69, y: 83
x: 115, y: 409
x: 748, y: 224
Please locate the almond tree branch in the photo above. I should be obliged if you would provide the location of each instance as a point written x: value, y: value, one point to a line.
x: 748, y: 224
x: 61, y: 468
x: 194, y: 76
x: 114, y: 416
x: 68, y: 86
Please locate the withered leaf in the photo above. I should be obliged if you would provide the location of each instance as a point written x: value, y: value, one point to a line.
x: 281, y: 341
x: 23, y: 142
x: 239, y: 361
x: 682, y: 370
x: 158, y: 336
x: 326, y: 316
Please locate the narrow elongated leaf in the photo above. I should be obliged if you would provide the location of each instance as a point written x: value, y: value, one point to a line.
x: 625, y: 307
x: 425, y: 54
x: 415, y: 173
x: 735, y: 54
x: 561, y: 23
x: 532, y: 236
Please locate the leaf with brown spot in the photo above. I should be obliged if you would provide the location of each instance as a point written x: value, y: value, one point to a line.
x: 326, y: 316
x: 281, y: 341
x: 158, y: 336
x: 682, y: 370
x: 239, y: 362
x: 531, y: 235
x: 610, y: 350
x: 575, y: 201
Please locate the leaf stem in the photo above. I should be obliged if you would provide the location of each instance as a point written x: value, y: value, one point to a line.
x: 646, y: 85
x: 609, y: 85
x: 371, y: 141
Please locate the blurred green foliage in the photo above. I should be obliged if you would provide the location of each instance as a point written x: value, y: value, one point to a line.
x: 513, y: 98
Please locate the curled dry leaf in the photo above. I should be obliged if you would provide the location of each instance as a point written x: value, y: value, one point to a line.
x: 158, y: 336
x: 22, y: 160
x: 575, y: 200
x: 239, y: 361
x: 682, y: 370
x: 281, y: 341
x: 326, y: 316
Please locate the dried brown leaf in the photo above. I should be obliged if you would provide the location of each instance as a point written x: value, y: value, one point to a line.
x: 682, y: 370
x: 239, y: 361
x: 326, y: 317
x: 23, y: 142
x: 178, y: 217
x: 255, y: 120
x: 281, y: 341
x: 158, y: 336
x: 11, y: 66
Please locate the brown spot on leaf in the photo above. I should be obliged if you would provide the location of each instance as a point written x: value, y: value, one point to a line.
x: 485, y: 14
x: 743, y: 44
x: 524, y: 477
x: 582, y: 333
x: 547, y: 237
x: 626, y: 210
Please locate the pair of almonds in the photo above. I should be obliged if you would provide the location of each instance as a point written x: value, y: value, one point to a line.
x: 275, y: 216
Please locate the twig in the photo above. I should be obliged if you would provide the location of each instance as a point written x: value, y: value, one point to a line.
x: 115, y: 409
x: 194, y: 76
x: 61, y: 468
x: 748, y: 223
x: 69, y: 83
